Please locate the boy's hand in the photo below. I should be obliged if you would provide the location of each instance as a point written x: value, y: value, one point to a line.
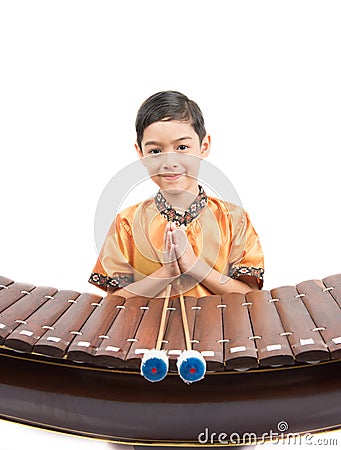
x: 170, y: 258
x: 183, y: 250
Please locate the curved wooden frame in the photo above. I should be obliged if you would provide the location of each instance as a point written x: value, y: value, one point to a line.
x: 51, y: 391
x: 125, y: 408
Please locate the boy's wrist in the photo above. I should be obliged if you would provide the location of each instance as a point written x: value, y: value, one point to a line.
x: 199, y: 270
x: 164, y: 274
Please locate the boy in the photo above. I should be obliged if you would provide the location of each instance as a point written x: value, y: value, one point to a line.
x: 199, y: 244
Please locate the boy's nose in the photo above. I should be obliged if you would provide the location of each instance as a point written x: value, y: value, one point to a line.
x: 170, y: 160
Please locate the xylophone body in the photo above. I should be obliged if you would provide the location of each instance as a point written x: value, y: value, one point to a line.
x: 70, y: 362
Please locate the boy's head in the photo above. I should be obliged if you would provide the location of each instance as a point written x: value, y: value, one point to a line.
x: 172, y: 141
x: 169, y: 106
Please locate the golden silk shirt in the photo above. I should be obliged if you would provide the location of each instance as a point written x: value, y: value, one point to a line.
x: 220, y: 233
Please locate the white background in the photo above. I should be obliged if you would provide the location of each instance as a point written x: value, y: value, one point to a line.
x: 73, y: 73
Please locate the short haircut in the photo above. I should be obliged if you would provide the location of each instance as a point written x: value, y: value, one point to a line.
x: 166, y: 106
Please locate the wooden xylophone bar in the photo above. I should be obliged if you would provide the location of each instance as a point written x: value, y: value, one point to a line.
x: 285, y: 326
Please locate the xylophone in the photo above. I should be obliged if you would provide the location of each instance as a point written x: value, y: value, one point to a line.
x: 77, y: 356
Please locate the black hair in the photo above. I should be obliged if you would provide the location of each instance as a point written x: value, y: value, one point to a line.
x: 169, y: 105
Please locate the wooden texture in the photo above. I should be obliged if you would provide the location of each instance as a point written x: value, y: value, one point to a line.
x: 25, y: 336
x: 306, y: 344
x: 20, y: 311
x: 208, y: 331
x: 4, y: 282
x: 56, y: 341
x: 288, y: 325
x: 273, y: 347
x: 325, y: 313
x: 174, y: 340
x: 147, y: 334
x: 115, y: 345
x: 240, y: 350
x: 84, y: 346
x: 334, y: 284
x: 12, y: 293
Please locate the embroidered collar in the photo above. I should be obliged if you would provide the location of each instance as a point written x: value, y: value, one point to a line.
x: 170, y: 214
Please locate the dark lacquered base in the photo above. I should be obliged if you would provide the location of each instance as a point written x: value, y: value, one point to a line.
x: 126, y: 408
x: 202, y: 447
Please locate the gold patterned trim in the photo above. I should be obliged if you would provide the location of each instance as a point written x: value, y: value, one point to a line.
x: 115, y: 282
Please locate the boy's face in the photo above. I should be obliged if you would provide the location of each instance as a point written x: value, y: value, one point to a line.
x: 172, y: 153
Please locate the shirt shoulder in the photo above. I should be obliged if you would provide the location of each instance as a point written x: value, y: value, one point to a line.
x: 130, y: 212
x: 218, y: 206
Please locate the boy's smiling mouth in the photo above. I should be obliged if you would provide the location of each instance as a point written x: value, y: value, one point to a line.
x: 171, y: 176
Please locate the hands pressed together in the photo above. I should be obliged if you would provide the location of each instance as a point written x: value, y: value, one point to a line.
x: 179, y: 256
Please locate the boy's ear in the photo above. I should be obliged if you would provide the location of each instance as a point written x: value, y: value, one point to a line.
x: 138, y: 150
x: 206, y: 146
x: 140, y: 153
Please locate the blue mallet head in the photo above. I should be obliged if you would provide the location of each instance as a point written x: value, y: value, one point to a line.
x: 154, y: 365
x: 191, y: 366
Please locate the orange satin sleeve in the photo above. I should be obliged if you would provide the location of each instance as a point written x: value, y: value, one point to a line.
x: 246, y: 257
x: 113, y: 268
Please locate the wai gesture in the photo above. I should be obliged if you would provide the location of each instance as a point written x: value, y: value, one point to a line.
x: 179, y: 256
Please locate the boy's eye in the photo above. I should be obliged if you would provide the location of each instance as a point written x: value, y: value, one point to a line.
x: 155, y: 151
x: 183, y: 147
